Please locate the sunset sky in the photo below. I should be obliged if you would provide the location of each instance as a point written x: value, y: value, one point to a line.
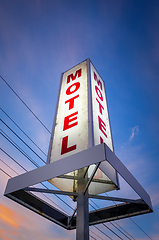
x: 41, y: 39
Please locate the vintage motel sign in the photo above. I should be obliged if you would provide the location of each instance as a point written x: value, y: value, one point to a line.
x: 81, y: 142
x: 81, y: 121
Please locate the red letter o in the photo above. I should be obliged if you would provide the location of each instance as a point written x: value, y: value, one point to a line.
x: 75, y: 88
x: 99, y: 93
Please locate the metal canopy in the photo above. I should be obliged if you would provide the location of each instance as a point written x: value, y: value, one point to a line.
x: 18, y: 188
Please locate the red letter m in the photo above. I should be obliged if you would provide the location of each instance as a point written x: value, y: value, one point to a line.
x: 73, y: 77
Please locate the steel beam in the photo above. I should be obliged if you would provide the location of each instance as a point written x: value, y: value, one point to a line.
x: 101, y: 153
x: 44, y: 190
x: 82, y: 222
x: 91, y: 177
x: 127, y: 200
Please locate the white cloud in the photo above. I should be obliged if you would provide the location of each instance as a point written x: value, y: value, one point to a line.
x: 134, y: 132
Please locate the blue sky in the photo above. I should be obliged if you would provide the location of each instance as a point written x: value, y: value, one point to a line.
x: 41, y: 39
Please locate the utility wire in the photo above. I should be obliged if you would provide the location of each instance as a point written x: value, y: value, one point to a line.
x: 117, y: 223
x: 25, y: 104
x: 27, y: 171
x: 102, y: 232
x: 30, y: 159
x: 105, y: 224
x: 112, y: 231
x: 92, y: 236
x: 123, y: 230
x: 9, y: 166
x: 141, y: 229
x: 96, y: 234
x: 23, y: 132
x: 18, y: 148
x: 135, y: 224
x: 111, y: 222
x: 22, y: 140
x: 13, y: 159
x: 120, y: 230
x: 43, y: 194
x: 5, y: 172
x: 24, y: 153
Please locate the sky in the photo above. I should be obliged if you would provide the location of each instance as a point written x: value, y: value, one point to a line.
x: 39, y: 40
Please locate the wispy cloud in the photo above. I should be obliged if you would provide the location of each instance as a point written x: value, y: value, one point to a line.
x: 22, y: 224
x: 7, y: 216
x: 17, y: 222
x: 134, y: 131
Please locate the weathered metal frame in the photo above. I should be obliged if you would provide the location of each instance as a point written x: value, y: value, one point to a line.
x: 17, y: 188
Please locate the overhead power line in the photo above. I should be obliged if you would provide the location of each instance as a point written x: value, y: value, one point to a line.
x: 25, y: 104
x: 27, y: 171
x: 103, y: 232
x: 30, y: 159
x: 23, y: 132
x: 8, y: 166
x: 120, y: 230
x: 112, y: 231
x: 43, y: 194
x: 123, y: 230
x: 96, y: 234
x: 22, y: 140
x: 5, y: 172
x: 25, y: 154
x: 140, y: 228
x: 18, y: 148
x: 135, y: 223
x: 91, y: 236
x: 105, y: 224
x: 13, y: 159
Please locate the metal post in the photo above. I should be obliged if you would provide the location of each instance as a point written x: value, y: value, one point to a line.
x: 82, y: 222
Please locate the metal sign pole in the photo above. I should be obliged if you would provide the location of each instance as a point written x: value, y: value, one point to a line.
x: 82, y: 222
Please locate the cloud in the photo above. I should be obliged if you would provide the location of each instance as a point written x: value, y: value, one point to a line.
x: 9, y: 223
x: 18, y: 223
x: 8, y: 216
x: 134, y: 132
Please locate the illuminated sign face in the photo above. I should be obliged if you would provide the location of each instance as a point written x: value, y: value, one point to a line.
x: 101, y: 125
x: 71, y: 130
x: 81, y: 118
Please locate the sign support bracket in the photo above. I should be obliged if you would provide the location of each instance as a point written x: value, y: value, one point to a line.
x: 18, y: 190
x: 91, y: 177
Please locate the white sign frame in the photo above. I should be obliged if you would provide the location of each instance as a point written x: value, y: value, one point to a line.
x: 65, y: 183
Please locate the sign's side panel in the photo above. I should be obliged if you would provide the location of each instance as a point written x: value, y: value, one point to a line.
x: 102, y: 130
x: 71, y: 128
x: 90, y: 107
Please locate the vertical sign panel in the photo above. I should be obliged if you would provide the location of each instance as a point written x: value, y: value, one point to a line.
x: 101, y: 124
x: 80, y: 93
x: 70, y: 131
x: 71, y: 128
x: 101, y: 132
